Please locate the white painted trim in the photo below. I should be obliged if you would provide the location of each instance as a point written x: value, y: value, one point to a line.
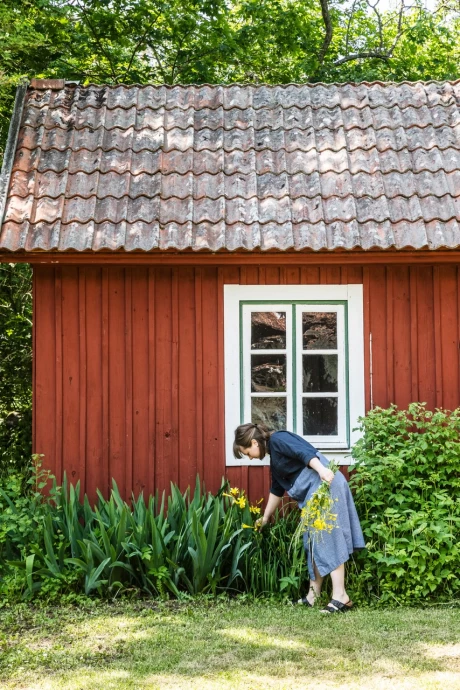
x: 356, y: 358
x: 233, y: 294
x: 343, y: 457
x: 248, y: 309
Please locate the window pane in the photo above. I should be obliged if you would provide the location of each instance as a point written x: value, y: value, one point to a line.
x: 319, y: 330
x: 319, y: 416
x: 320, y: 373
x: 268, y: 330
x: 269, y: 411
x: 268, y: 373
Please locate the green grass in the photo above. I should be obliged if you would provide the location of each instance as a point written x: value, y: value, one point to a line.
x: 224, y: 645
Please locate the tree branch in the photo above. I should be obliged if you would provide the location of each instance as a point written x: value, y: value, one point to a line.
x: 137, y: 46
x: 350, y: 19
x: 328, y: 26
x: 97, y: 38
x: 358, y: 56
x: 157, y: 58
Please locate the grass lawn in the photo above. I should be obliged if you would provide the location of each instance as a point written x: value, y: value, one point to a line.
x: 228, y: 645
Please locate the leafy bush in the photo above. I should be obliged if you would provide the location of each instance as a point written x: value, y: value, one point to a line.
x: 189, y: 543
x: 407, y: 491
x: 15, y: 367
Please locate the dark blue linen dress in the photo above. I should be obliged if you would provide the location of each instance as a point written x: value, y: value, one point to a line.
x: 289, y: 458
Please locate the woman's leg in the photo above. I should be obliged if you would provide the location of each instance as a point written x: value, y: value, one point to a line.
x: 338, y: 584
x: 315, y: 586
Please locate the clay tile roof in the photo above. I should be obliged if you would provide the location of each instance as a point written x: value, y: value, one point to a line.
x: 320, y: 166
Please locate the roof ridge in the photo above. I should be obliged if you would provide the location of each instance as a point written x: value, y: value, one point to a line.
x: 245, y: 84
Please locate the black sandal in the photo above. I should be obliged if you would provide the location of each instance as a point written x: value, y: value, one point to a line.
x: 339, y: 607
x: 304, y: 602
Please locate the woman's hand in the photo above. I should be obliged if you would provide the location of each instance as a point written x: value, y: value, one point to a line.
x: 261, y: 522
x: 326, y: 475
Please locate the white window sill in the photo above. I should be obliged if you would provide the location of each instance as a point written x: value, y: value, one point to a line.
x: 342, y: 457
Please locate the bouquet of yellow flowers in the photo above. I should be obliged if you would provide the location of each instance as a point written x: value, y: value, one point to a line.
x: 317, y: 516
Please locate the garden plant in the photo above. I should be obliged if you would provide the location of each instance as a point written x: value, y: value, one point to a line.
x: 406, y: 481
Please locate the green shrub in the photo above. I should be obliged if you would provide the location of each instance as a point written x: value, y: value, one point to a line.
x: 406, y: 482
x: 194, y: 543
x: 15, y: 367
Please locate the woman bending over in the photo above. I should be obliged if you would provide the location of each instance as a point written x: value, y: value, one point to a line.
x: 298, y: 468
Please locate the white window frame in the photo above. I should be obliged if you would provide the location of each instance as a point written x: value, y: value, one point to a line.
x: 341, y: 439
x: 235, y: 297
x: 247, y: 395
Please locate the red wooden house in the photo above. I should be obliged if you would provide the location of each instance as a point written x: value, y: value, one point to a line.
x: 204, y: 255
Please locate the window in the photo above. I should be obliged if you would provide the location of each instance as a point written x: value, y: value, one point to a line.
x: 294, y: 360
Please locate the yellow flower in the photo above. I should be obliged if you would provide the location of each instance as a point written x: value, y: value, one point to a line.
x: 319, y: 524
x: 317, y: 515
x: 235, y: 492
x: 241, y: 502
x: 255, y: 510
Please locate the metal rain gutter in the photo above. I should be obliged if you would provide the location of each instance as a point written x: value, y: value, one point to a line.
x: 10, y: 148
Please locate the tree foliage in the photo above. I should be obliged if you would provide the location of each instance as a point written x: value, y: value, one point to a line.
x: 15, y: 366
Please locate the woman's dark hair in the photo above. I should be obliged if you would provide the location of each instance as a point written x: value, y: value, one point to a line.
x: 245, y: 433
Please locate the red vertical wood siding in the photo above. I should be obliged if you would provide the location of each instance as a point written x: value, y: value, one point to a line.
x: 129, y: 375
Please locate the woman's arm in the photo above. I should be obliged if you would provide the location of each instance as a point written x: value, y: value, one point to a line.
x: 272, y: 504
x: 325, y: 473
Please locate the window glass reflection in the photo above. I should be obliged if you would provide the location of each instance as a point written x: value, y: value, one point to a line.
x: 268, y: 330
x: 319, y: 330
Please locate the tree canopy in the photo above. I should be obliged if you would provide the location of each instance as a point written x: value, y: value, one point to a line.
x: 223, y: 41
